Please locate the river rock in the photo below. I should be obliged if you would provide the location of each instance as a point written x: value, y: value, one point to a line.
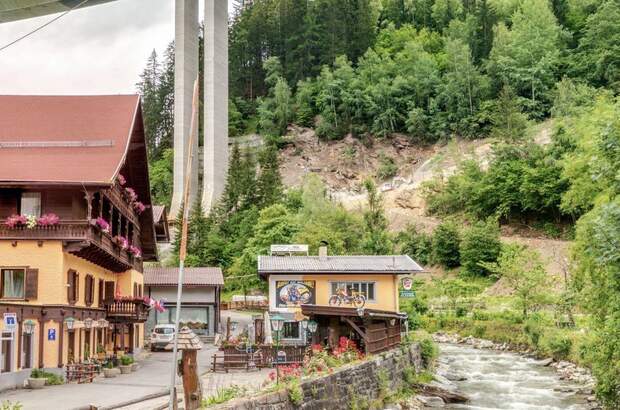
x: 455, y: 377
x: 546, y: 362
x: 431, y: 401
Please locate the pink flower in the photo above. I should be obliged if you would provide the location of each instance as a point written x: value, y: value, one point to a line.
x: 103, y: 224
x: 121, y: 179
x: 50, y: 219
x: 131, y: 194
x: 135, y: 251
x: 121, y: 241
x: 139, y: 207
x: 15, y: 220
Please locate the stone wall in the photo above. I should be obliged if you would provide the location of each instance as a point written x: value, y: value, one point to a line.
x: 340, y: 389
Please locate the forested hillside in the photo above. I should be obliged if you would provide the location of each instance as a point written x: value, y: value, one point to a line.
x: 432, y: 71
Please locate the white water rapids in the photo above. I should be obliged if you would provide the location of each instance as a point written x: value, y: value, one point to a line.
x: 503, y: 380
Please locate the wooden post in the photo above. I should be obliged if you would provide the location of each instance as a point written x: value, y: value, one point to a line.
x: 228, y: 328
x: 191, y: 383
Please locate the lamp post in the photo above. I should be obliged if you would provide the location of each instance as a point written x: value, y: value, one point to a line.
x: 277, y: 322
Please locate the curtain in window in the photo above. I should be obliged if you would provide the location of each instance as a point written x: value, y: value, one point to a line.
x: 13, y: 283
x: 31, y: 203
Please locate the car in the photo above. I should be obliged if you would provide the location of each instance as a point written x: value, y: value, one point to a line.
x: 161, y: 336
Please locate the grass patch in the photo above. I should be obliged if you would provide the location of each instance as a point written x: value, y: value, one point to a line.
x: 223, y: 395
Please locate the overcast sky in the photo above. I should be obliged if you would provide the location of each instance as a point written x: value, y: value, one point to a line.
x: 96, y: 50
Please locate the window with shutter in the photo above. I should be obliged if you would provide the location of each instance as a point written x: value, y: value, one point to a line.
x: 109, y: 291
x: 89, y: 290
x: 100, y: 296
x: 32, y: 284
x: 71, y: 286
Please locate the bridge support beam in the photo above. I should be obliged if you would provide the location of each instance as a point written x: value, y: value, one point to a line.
x: 185, y: 73
x: 216, y: 102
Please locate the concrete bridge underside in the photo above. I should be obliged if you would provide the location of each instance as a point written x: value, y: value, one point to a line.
x: 215, y: 87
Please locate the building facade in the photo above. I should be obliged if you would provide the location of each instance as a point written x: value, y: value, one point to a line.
x: 200, y: 303
x: 302, y: 287
x: 76, y: 225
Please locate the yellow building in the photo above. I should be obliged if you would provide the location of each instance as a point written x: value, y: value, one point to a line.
x: 355, y: 296
x: 76, y: 225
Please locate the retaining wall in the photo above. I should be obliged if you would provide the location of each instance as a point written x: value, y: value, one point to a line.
x: 337, y: 391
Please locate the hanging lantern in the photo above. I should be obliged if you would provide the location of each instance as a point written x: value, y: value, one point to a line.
x: 102, y: 323
x: 312, y: 326
x: 69, y: 322
x: 88, y: 323
x: 29, y: 326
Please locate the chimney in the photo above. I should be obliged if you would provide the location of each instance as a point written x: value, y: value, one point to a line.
x: 323, y: 250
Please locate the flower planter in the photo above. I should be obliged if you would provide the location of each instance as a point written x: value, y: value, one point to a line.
x: 109, y: 373
x: 36, y: 383
x: 134, y: 367
x: 125, y: 369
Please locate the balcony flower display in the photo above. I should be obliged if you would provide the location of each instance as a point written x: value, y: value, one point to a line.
x: 50, y: 219
x: 121, y: 179
x: 102, y: 224
x: 121, y: 241
x: 139, y: 207
x: 135, y: 251
x: 131, y: 195
x: 31, y: 221
x: 14, y: 221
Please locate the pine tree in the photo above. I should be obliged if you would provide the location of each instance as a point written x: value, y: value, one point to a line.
x: 269, y: 183
x: 377, y: 240
x: 508, y: 121
x: 148, y: 87
x: 232, y: 191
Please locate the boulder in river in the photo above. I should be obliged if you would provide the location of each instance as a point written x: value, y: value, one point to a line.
x: 431, y: 401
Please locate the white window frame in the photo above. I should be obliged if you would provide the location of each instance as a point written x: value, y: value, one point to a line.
x: 29, y: 195
x: 356, y: 282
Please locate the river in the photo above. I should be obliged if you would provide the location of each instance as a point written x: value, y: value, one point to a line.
x: 504, y: 380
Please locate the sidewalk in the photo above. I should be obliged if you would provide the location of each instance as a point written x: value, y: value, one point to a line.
x: 152, y: 378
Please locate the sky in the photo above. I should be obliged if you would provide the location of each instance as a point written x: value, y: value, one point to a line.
x: 96, y: 50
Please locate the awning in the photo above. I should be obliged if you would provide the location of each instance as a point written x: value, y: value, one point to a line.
x: 313, y: 310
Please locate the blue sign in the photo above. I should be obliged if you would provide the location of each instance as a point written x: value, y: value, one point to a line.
x: 51, y: 334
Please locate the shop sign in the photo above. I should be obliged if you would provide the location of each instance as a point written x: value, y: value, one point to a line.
x: 10, y: 322
x: 407, y: 294
x: 292, y: 293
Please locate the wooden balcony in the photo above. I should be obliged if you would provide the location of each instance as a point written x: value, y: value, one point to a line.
x: 127, y: 311
x: 80, y: 238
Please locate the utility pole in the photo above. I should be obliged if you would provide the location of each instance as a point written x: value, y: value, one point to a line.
x: 183, y: 249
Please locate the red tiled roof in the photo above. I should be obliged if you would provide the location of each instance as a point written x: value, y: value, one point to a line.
x: 100, y: 120
x: 156, y: 276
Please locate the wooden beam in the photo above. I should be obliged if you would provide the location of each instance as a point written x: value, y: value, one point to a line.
x: 356, y: 328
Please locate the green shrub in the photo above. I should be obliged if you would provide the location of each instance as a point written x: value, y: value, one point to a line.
x: 295, y: 392
x: 480, y: 243
x: 415, y: 243
x: 559, y: 346
x: 387, y: 167
x: 428, y: 351
x: 126, y: 360
x: 479, y: 331
x: 480, y: 315
x: 52, y: 379
x: 8, y: 405
x: 533, y: 330
x: 223, y: 395
x: 446, y: 243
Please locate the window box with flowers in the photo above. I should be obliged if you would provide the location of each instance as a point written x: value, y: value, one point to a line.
x: 31, y: 222
x: 121, y: 242
x: 135, y: 251
x: 102, y: 224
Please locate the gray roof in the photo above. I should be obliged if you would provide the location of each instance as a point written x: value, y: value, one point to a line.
x: 388, y: 264
x: 157, y: 276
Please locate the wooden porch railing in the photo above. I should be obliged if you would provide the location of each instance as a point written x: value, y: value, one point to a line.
x: 127, y: 310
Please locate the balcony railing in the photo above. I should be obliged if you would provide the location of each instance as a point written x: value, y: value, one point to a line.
x: 80, y: 238
x: 133, y: 310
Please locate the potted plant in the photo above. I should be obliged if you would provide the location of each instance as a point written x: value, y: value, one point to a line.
x: 100, y: 352
x: 108, y: 370
x: 37, y: 379
x: 125, y: 366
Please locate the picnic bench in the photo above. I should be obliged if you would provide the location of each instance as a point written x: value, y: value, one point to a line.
x: 82, y: 373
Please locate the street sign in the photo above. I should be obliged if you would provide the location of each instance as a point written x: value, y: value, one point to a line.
x: 51, y: 334
x: 407, y: 294
x: 10, y: 322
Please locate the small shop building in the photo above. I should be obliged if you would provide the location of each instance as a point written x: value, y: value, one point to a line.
x: 353, y: 296
x: 200, y: 303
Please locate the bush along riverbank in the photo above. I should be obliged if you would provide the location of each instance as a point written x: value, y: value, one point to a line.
x: 579, y: 377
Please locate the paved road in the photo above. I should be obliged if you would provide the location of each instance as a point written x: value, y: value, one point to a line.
x: 152, y: 377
